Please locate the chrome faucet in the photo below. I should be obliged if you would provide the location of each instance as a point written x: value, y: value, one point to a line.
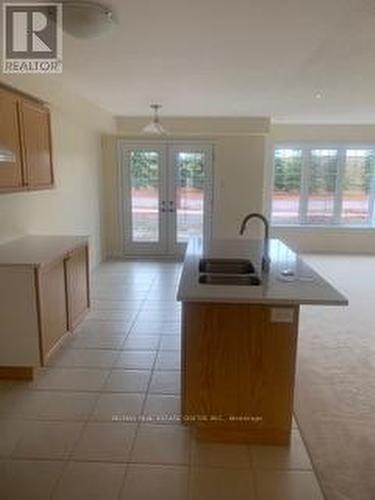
x: 266, y: 257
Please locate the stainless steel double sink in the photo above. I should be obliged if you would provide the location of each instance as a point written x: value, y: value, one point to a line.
x: 227, y: 272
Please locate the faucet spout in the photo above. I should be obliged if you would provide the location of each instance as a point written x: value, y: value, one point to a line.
x: 266, y: 257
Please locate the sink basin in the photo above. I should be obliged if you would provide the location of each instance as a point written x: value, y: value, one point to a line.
x: 226, y: 266
x: 230, y: 279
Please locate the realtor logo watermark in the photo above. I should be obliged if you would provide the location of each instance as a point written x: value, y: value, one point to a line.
x: 32, y: 37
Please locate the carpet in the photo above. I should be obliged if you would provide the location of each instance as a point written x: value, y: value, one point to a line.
x: 335, y: 382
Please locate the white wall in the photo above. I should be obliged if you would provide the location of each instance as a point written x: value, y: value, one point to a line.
x: 334, y: 240
x: 75, y: 205
x: 240, y: 149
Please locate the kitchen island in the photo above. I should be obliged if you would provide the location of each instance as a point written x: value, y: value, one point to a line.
x: 239, y: 338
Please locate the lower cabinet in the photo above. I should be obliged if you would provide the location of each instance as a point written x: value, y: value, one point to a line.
x: 63, y: 296
x: 43, y: 296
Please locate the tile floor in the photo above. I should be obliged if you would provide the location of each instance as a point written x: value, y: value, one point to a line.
x: 75, y: 432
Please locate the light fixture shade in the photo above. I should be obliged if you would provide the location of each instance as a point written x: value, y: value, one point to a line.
x: 86, y: 19
x: 155, y: 127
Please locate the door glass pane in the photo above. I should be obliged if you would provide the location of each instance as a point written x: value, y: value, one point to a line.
x: 190, y: 179
x: 144, y: 181
x: 322, y: 186
x: 287, y: 186
x: 359, y: 168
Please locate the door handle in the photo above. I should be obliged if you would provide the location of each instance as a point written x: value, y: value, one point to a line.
x: 171, y: 209
x: 162, y: 206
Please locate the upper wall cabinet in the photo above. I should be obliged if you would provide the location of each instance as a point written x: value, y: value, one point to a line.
x: 25, y: 143
x: 36, y: 144
x: 11, y: 175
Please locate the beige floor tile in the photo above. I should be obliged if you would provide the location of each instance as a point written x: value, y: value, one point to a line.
x: 142, y: 343
x: 5, y: 385
x: 10, y: 434
x: 155, y: 327
x: 287, y: 485
x: 168, y: 360
x: 162, y: 409
x: 97, y: 341
x: 22, y: 403
x: 150, y: 306
x: 162, y: 444
x: 136, y: 360
x: 104, y: 442
x: 118, y: 407
x: 115, y: 305
x: 150, y: 482
x: 220, y: 455
x: 84, y: 358
x: 63, y: 405
x: 72, y: 379
x: 125, y: 317
x: 221, y: 484
x: 29, y: 480
x: 282, y: 457
x: 90, y: 481
x: 128, y: 381
x: 170, y: 343
x: 170, y: 315
x: 50, y: 440
x: 165, y: 382
x: 104, y: 327
x: 115, y: 295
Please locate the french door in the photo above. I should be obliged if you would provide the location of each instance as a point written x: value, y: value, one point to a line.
x: 167, y: 196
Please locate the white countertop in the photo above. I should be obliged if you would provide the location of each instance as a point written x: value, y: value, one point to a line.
x: 36, y: 250
x: 305, y: 287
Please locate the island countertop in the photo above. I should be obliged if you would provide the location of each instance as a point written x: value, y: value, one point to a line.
x: 306, y: 286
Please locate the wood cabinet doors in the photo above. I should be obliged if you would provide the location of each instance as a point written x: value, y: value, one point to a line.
x: 238, y: 364
x: 11, y: 175
x: 77, y: 285
x: 53, y: 305
x: 36, y: 137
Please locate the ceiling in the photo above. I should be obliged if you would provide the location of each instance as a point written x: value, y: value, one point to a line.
x: 232, y: 58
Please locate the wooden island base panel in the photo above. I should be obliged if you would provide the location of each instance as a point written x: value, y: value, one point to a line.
x: 238, y: 371
x: 44, y: 295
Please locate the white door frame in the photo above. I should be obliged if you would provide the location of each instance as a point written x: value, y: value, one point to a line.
x: 167, y: 245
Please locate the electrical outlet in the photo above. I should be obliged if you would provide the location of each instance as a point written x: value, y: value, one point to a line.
x: 282, y: 315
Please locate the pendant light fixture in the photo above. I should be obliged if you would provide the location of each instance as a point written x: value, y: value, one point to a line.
x: 155, y: 127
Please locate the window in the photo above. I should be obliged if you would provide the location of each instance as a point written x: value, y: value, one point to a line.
x: 323, y: 186
x: 287, y: 185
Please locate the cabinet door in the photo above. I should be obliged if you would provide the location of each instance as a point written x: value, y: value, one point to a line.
x: 37, y: 144
x: 10, y: 170
x: 77, y: 282
x: 52, y: 305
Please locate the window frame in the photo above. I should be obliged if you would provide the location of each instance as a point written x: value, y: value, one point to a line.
x: 337, y: 222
